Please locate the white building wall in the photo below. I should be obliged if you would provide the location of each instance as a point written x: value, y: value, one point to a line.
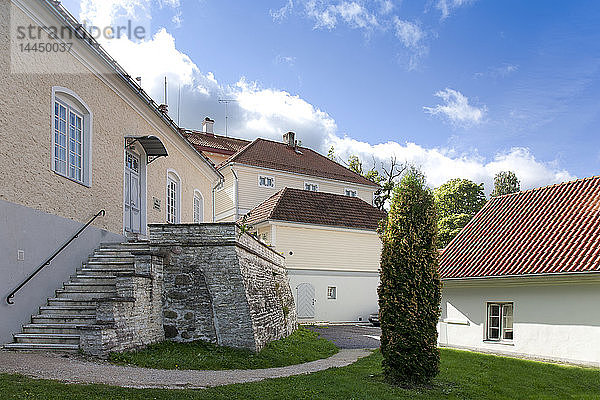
x: 557, y: 319
x: 356, y: 295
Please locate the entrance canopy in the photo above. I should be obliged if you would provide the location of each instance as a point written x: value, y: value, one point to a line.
x: 152, y: 145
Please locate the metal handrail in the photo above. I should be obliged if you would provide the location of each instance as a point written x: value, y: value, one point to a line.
x: 12, y: 294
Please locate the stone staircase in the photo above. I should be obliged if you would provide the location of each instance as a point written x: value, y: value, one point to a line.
x: 57, y: 325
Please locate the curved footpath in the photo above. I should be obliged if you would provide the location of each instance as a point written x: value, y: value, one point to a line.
x: 77, y: 370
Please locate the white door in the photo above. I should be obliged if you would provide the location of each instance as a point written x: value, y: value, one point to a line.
x: 306, y: 300
x: 132, y: 209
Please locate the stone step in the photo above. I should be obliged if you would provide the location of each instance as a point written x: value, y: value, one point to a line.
x: 85, y: 295
x: 84, y: 279
x: 56, y: 301
x: 66, y: 329
x: 56, y: 338
x: 63, y: 319
x: 89, y: 287
x: 136, y: 246
x: 101, y: 259
x: 108, y: 264
x: 42, y: 346
x: 103, y: 271
x: 69, y: 310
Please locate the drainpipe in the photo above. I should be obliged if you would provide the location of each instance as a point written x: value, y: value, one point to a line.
x: 235, y: 197
x: 214, y: 217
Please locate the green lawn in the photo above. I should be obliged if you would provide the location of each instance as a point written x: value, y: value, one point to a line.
x: 300, y: 347
x: 463, y: 375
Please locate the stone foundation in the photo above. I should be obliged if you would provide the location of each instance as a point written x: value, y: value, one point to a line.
x: 133, y: 318
x: 222, y: 286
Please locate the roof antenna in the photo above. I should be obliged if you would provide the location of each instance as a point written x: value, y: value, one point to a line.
x: 226, y: 102
x: 165, y: 102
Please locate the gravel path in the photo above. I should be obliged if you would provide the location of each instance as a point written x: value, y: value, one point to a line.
x: 72, y: 369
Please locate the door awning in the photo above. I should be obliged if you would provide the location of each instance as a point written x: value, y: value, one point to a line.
x: 152, y: 145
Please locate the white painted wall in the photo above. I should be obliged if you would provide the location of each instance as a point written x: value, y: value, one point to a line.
x: 356, y: 294
x: 554, y: 318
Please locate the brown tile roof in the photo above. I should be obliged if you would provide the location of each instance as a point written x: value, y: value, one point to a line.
x: 302, y: 160
x: 550, y: 230
x: 215, y: 143
x: 303, y: 206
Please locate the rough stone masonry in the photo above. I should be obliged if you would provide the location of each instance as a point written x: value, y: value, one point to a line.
x: 222, y: 285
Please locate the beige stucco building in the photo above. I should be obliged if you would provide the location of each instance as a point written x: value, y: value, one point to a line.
x: 78, y: 136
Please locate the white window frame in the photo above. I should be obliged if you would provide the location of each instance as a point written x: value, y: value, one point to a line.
x: 198, y: 214
x: 347, y: 190
x: 503, y: 322
x: 331, y: 292
x: 266, y: 177
x: 173, y: 218
x: 311, y: 184
x: 76, y: 106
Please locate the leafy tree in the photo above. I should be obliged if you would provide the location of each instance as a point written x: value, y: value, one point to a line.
x: 506, y: 182
x: 331, y: 154
x: 354, y: 164
x: 457, y: 201
x: 410, y: 288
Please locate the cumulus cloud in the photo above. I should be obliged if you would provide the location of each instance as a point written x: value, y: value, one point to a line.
x: 269, y: 112
x: 440, y: 165
x: 456, y: 109
x: 446, y: 7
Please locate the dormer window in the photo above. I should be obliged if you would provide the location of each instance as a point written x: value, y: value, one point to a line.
x: 350, y: 192
x: 266, y: 181
x: 311, y: 187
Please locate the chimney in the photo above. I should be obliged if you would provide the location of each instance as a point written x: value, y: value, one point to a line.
x: 207, y: 126
x: 163, y: 108
x: 289, y: 138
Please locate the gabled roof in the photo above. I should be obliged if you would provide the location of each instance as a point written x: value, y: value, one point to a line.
x: 303, y: 206
x: 550, y: 230
x: 214, y: 143
x: 302, y: 160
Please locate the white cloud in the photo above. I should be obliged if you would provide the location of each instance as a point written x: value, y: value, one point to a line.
x: 282, y: 13
x: 289, y: 60
x: 456, y: 109
x: 269, y: 112
x: 352, y: 13
x: 498, y: 72
x: 412, y: 37
x: 440, y: 165
x: 447, y: 6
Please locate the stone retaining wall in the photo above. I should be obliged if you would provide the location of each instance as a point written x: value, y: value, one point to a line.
x: 222, y: 285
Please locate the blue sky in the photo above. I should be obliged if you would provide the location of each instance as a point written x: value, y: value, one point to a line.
x: 462, y: 88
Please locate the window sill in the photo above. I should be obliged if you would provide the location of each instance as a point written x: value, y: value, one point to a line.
x: 72, y: 180
x: 501, y: 342
x: 455, y: 322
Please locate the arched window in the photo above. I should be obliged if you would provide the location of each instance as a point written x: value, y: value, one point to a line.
x: 173, y: 197
x: 71, y: 136
x: 198, y: 207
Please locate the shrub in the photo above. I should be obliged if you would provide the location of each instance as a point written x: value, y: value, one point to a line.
x: 410, y: 288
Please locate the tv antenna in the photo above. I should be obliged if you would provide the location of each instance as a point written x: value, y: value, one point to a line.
x: 226, y: 102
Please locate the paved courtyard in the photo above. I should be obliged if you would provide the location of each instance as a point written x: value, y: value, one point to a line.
x: 350, y: 336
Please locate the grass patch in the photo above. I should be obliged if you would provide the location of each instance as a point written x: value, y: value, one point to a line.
x: 300, y: 347
x: 463, y: 375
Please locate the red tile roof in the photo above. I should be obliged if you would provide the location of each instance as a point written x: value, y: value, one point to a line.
x: 550, y: 230
x: 302, y: 160
x: 215, y: 143
x: 303, y: 206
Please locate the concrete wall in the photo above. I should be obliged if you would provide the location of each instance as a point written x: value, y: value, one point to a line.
x: 26, y: 134
x: 222, y: 286
x: 356, y: 294
x: 554, y: 318
x: 38, y: 235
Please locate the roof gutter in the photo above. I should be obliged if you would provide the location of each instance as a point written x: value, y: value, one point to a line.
x: 506, y: 277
